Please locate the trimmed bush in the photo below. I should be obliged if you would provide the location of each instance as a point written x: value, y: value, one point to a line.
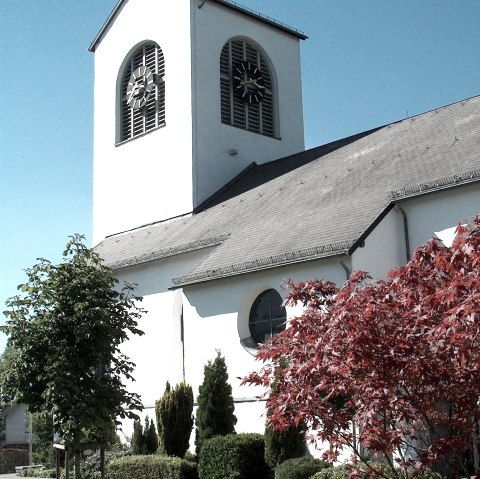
x: 149, y: 467
x: 234, y: 456
x: 299, y: 468
x: 334, y: 472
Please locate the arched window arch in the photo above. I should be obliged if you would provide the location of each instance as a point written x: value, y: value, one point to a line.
x: 246, y: 88
x: 142, y: 92
x: 267, y: 316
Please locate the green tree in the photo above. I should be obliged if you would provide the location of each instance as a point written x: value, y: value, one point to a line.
x: 175, y: 419
x: 215, y: 413
x: 66, y: 330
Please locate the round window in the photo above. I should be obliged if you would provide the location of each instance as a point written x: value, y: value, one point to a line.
x: 267, y: 316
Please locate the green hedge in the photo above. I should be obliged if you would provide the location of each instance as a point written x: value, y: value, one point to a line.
x: 234, y: 456
x: 299, y: 468
x: 152, y: 467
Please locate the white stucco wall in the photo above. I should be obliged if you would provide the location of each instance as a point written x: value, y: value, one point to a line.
x: 148, y: 178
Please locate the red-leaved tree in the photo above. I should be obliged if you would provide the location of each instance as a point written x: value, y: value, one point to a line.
x: 399, y: 359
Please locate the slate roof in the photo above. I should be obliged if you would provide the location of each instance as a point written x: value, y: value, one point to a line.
x: 317, y: 203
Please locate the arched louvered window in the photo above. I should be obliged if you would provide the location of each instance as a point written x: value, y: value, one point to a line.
x: 142, y: 95
x: 247, y: 97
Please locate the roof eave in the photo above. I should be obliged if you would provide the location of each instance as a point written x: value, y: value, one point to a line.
x: 105, y: 26
x: 262, y: 18
x: 226, y: 3
x: 262, y: 264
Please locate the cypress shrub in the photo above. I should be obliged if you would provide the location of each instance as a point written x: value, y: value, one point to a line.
x: 215, y: 413
x: 144, y: 439
x: 150, y: 438
x: 137, y: 438
x: 283, y: 445
x: 175, y: 419
x: 234, y: 456
x: 299, y: 468
x: 148, y: 467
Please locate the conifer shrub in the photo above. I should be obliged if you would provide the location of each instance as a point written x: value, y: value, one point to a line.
x: 283, y: 445
x: 144, y: 439
x: 175, y: 419
x: 153, y: 466
x: 299, y: 468
x: 137, y: 438
x: 286, y: 444
x: 234, y: 456
x: 215, y: 413
x: 150, y: 438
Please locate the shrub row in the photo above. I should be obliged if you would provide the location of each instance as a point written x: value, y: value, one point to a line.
x: 152, y: 467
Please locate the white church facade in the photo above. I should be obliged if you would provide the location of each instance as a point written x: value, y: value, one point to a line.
x: 205, y: 197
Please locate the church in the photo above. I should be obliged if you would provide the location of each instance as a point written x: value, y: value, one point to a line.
x: 205, y: 196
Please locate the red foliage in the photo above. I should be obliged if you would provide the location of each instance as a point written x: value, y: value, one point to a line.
x: 400, y: 358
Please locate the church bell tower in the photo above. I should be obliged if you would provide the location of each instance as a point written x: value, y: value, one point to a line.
x: 188, y: 93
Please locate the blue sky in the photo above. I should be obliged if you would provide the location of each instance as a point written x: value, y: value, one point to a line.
x: 366, y: 63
